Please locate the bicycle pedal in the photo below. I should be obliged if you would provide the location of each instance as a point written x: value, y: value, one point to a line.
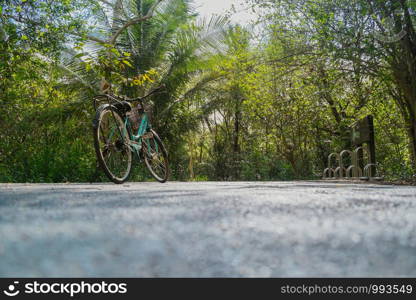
x: 148, y: 135
x: 135, y: 145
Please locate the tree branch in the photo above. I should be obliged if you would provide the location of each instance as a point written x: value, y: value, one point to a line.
x: 89, y: 37
x: 94, y: 39
x: 33, y: 22
x: 134, y: 21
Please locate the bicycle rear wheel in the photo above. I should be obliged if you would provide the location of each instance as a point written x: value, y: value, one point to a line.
x: 155, y: 156
x: 111, y: 142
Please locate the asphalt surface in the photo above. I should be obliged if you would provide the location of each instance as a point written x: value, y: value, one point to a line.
x: 214, y: 229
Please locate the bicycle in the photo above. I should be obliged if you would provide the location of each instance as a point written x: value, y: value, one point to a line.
x: 121, y: 131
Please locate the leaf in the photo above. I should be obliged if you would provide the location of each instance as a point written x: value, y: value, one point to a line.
x: 127, y: 63
x: 80, y: 55
x: 115, y: 51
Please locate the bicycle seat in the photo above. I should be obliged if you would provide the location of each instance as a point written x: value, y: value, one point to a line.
x: 123, y: 106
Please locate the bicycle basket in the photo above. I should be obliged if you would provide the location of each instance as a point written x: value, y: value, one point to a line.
x: 148, y: 109
x: 134, y: 116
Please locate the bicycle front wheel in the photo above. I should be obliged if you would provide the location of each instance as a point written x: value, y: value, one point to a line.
x: 111, y: 141
x: 155, y: 156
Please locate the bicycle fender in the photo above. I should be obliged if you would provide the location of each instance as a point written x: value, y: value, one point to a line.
x: 98, y: 112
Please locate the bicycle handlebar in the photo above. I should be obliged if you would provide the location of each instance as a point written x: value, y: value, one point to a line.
x: 145, y: 96
x: 124, y: 98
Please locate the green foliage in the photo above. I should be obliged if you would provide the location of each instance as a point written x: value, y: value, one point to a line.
x: 264, y: 104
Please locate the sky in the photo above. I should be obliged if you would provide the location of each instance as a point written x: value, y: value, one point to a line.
x: 206, y: 8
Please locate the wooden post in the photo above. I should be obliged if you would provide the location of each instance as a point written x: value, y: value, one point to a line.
x: 372, y: 145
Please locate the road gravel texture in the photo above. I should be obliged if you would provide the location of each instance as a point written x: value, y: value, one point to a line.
x: 207, y: 229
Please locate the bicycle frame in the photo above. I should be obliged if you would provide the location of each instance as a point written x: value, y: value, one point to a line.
x: 122, y: 126
x: 136, y: 140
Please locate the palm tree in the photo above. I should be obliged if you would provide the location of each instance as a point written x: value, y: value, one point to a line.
x: 172, y: 41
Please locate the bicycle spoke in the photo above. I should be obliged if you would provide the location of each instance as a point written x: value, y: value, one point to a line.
x: 162, y: 169
x: 155, y: 158
x: 112, y: 139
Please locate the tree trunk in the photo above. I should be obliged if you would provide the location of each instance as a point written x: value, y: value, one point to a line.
x: 236, y: 137
x: 406, y: 83
x: 191, y: 159
x: 411, y: 131
x: 407, y: 79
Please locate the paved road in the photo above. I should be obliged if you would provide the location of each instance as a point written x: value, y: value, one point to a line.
x: 207, y: 229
